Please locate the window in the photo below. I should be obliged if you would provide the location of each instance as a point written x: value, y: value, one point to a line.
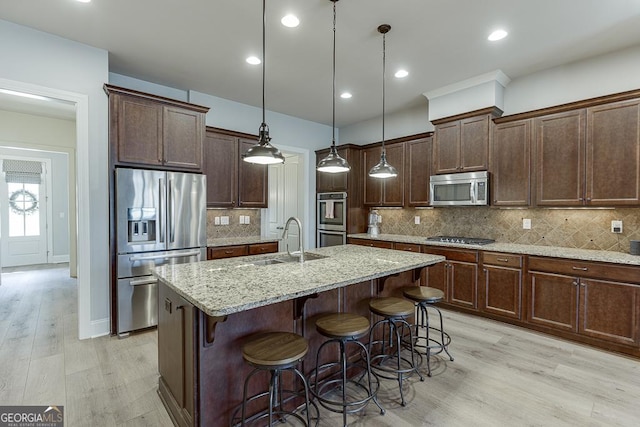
x: 24, y: 209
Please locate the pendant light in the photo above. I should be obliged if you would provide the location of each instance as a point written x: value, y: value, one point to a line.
x: 383, y: 169
x: 333, y: 163
x: 263, y: 152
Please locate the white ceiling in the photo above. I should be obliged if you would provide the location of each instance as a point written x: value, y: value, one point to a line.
x: 202, y: 44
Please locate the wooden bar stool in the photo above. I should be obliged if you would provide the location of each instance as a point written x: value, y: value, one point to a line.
x: 389, y: 362
x: 343, y: 390
x: 425, y: 299
x: 276, y: 352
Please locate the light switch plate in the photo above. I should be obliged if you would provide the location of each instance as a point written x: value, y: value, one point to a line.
x: 247, y: 219
x: 224, y: 220
x: 616, y: 226
x: 416, y: 219
x: 216, y: 220
x: 526, y: 224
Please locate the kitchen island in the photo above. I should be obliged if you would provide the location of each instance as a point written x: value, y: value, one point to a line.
x: 207, y: 309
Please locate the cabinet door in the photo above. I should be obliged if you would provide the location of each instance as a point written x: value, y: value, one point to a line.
x: 253, y: 180
x: 502, y: 293
x: 553, y: 301
x: 435, y: 276
x: 393, y: 188
x: 474, y: 143
x: 559, y: 148
x: 463, y: 280
x: 328, y: 182
x: 613, y: 154
x: 446, y: 148
x: 139, y: 130
x: 510, y: 159
x: 221, y: 169
x: 372, y: 186
x: 417, y: 172
x: 609, y: 311
x: 183, y: 132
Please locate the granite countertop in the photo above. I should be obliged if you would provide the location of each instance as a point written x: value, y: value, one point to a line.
x: 231, y: 285
x: 514, y: 248
x: 231, y: 241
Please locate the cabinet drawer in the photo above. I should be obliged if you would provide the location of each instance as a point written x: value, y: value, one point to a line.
x: 263, y: 248
x: 504, y: 260
x: 409, y: 247
x: 586, y: 269
x: 452, y: 254
x: 228, y: 252
x: 372, y: 243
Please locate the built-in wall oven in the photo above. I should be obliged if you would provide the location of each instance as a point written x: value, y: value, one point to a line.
x: 331, y: 217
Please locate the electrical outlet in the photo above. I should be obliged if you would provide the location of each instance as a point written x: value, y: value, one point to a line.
x: 216, y: 220
x: 224, y: 220
x: 526, y: 224
x: 616, y: 226
x: 247, y: 219
x: 416, y: 219
x: 241, y: 219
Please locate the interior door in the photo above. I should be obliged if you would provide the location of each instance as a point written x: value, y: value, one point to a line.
x: 284, y: 202
x: 23, y: 205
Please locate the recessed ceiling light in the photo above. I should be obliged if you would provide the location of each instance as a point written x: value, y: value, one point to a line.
x: 253, y: 60
x: 401, y: 74
x: 84, y: 1
x: 290, y: 21
x: 345, y: 95
x: 497, y: 35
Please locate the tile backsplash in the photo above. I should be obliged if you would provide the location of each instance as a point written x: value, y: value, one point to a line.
x: 574, y: 228
x: 234, y: 228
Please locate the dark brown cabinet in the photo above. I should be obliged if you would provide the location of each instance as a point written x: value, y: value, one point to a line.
x: 344, y: 181
x: 586, y: 298
x: 176, y: 358
x: 462, y: 144
x: 220, y: 252
x: 457, y: 277
x: 371, y: 243
x: 147, y: 130
x: 417, y: 172
x: 501, y: 285
x: 510, y: 164
x: 384, y: 192
x: 231, y: 182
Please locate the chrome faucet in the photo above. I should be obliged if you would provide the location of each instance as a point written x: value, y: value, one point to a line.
x: 286, y: 233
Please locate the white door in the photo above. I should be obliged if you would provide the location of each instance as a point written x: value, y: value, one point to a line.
x: 284, y: 181
x: 23, y: 216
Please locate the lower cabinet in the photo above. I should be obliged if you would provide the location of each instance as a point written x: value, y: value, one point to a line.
x: 457, y: 277
x: 176, y: 358
x: 501, y: 285
x: 220, y: 252
x: 371, y: 243
x: 604, y: 309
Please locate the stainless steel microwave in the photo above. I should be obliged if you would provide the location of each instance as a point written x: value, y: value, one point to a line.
x: 460, y: 189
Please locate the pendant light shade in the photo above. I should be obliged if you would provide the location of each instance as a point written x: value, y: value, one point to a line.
x: 333, y: 163
x: 263, y: 152
x: 383, y: 169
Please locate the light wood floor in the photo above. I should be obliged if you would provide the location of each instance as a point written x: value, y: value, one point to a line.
x: 501, y: 376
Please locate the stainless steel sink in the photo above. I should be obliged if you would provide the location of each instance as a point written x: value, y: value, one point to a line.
x: 284, y: 259
x: 267, y: 262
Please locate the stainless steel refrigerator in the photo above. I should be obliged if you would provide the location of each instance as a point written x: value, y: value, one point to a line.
x: 160, y: 219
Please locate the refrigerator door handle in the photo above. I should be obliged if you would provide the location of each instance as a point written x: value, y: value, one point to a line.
x: 153, y: 257
x: 171, y: 215
x: 161, y: 213
x: 141, y: 282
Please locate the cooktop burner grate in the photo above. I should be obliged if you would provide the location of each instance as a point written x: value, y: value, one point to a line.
x: 460, y: 240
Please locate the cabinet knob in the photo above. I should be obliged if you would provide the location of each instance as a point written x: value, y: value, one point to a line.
x: 588, y: 199
x: 575, y: 283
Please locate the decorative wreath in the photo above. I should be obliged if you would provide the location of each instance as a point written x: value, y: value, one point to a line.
x: 23, y: 202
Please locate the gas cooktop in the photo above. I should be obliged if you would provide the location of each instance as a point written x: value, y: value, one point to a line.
x: 460, y: 240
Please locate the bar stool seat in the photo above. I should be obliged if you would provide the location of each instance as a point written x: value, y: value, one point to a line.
x: 425, y: 297
x: 390, y: 362
x: 276, y: 352
x: 331, y: 387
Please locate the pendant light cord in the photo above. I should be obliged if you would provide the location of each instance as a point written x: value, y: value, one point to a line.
x: 264, y: 25
x: 333, y: 87
x: 384, y: 62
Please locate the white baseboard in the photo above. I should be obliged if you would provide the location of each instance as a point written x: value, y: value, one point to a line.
x: 58, y: 259
x: 100, y: 327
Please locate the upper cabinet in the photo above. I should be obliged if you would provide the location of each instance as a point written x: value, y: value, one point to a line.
x: 510, y: 164
x: 384, y: 192
x: 417, y: 171
x: 461, y: 143
x: 231, y: 182
x: 343, y: 181
x: 148, y: 130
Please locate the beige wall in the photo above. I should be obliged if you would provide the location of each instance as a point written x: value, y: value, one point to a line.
x: 43, y: 133
x: 574, y: 228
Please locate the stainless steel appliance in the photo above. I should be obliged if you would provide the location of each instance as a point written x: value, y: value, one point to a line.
x: 331, y: 217
x: 374, y: 221
x: 460, y: 240
x: 460, y: 189
x: 160, y: 219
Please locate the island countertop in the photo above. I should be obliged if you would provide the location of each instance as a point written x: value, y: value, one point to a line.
x: 227, y: 286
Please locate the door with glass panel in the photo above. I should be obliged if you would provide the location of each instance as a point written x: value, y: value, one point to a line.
x: 23, y: 212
